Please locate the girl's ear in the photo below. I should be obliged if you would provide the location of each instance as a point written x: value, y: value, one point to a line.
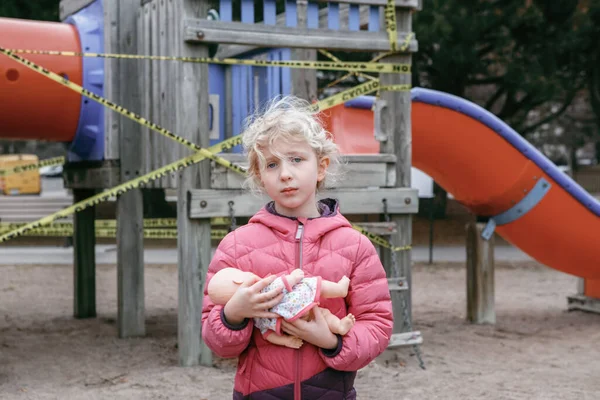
x: 322, y: 168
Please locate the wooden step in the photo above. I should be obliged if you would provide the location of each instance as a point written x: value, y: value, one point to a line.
x: 405, y: 339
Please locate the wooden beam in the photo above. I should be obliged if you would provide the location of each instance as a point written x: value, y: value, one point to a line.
x: 92, y: 175
x: 234, y: 50
x: 413, y: 4
x: 84, y: 258
x: 70, y: 7
x: 214, y: 203
x: 205, y: 31
x: 396, y: 124
x: 480, y: 276
x: 190, y: 86
x: 359, y: 171
x: 130, y: 234
x: 111, y: 77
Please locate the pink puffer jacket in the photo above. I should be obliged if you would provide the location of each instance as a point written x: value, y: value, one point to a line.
x: 328, y: 247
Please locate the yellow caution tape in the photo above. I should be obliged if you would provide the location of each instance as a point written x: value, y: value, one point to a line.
x: 112, y: 223
x: 322, y: 65
x: 120, y: 189
x: 30, y: 167
x: 376, y: 239
x: 112, y: 233
x: 390, y: 24
x: 121, y: 110
x: 201, y: 154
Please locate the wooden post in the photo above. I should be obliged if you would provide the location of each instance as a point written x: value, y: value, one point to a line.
x: 396, y: 123
x: 130, y: 234
x: 84, y: 258
x: 480, y: 276
x: 304, y: 81
x: 194, y: 243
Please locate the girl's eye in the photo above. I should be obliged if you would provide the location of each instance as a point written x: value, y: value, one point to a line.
x: 296, y: 159
x: 271, y: 165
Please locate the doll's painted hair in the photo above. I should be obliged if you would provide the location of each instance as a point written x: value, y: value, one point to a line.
x: 292, y: 119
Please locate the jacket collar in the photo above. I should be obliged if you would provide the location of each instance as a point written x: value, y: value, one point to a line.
x: 314, y: 228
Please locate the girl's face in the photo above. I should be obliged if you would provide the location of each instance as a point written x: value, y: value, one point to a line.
x: 291, y: 181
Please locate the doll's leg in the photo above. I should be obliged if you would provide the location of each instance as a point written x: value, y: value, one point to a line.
x: 336, y: 325
x: 331, y: 290
x: 284, y: 340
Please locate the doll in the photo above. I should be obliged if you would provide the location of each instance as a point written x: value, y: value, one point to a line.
x: 301, y: 295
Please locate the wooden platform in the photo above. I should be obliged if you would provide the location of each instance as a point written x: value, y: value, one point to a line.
x: 580, y: 302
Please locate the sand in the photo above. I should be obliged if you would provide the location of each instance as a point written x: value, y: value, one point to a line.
x: 536, y: 350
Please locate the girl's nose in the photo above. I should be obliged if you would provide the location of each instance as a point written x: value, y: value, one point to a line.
x: 284, y: 172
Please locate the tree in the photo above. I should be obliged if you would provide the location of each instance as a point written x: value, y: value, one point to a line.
x: 41, y: 10
x: 511, y: 57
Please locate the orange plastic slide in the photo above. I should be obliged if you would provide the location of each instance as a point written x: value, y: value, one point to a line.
x: 494, y: 172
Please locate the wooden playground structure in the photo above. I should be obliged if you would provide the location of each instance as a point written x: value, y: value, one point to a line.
x: 176, y: 95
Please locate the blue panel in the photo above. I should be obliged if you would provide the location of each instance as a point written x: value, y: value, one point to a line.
x: 88, y: 142
x: 226, y: 10
x: 373, y: 18
x: 237, y: 115
x: 291, y: 13
x: 216, y: 85
x: 274, y: 82
x: 286, y: 74
x: 354, y: 17
x: 333, y: 16
x: 248, y: 11
x: 312, y: 15
x: 270, y: 12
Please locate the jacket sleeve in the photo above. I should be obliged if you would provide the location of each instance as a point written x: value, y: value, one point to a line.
x: 369, y: 300
x: 224, y: 339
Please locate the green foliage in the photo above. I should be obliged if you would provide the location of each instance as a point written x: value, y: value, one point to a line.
x: 41, y: 10
x: 524, y: 53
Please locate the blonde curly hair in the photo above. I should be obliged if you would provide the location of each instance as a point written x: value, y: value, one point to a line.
x: 289, y: 118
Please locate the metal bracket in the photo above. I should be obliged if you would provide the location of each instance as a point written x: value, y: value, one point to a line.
x: 541, y: 188
x: 378, y: 107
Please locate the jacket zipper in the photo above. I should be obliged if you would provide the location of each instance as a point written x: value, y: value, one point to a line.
x: 297, y: 383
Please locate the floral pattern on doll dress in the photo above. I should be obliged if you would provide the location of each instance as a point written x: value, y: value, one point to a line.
x: 294, y: 304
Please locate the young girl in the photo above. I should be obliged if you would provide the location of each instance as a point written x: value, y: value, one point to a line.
x: 289, y: 154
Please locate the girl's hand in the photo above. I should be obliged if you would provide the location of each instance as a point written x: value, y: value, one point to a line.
x: 249, y: 302
x: 315, y: 332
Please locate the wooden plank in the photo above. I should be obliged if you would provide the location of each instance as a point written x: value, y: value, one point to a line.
x: 205, y: 31
x: 580, y: 302
x: 214, y: 203
x: 396, y: 122
x: 414, y: 4
x: 480, y: 276
x: 111, y: 78
x: 130, y: 239
x: 405, y: 339
x: 379, y: 228
x: 84, y: 258
x: 145, y: 82
x: 361, y: 170
x: 304, y: 81
x: 97, y: 175
x: 70, y: 7
x: 194, y: 243
x: 234, y: 50
x: 356, y: 175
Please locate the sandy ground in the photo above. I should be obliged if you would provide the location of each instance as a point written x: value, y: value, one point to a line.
x: 537, y: 349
